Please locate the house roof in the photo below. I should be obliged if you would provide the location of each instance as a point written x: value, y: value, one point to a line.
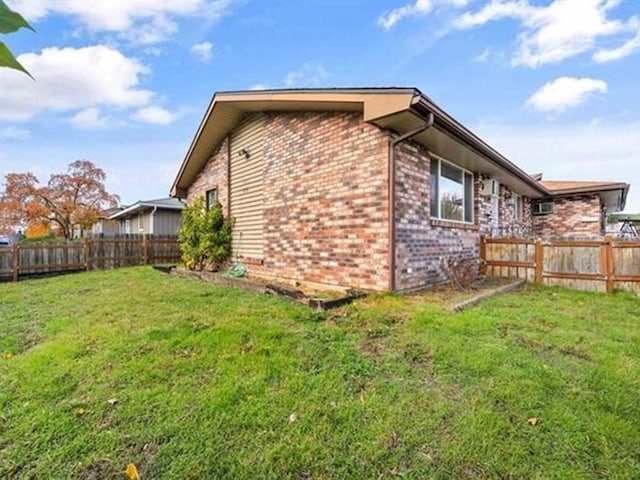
x: 141, y: 205
x: 632, y: 217
x: 613, y: 194
x: 397, y: 109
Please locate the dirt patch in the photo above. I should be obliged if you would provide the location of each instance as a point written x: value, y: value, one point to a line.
x: 574, y: 352
x: 374, y: 347
x: 545, y: 347
x: 418, y: 355
x: 100, y: 470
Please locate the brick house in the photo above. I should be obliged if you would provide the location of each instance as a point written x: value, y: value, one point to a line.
x: 368, y: 188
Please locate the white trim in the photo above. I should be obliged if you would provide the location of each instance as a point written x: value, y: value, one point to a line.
x: 473, y: 200
x: 518, y: 211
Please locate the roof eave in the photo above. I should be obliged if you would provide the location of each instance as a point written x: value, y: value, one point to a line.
x: 422, y: 105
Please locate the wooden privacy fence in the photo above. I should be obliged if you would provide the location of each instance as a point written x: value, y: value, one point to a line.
x: 592, y: 265
x: 28, y: 260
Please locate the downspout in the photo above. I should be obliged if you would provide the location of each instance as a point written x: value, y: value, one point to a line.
x: 392, y: 195
x: 152, y: 223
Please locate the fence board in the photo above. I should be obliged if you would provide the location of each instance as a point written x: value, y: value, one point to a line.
x: 592, y: 265
x: 27, y: 260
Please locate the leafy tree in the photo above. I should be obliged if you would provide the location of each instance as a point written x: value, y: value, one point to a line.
x: 205, y: 236
x: 10, y: 22
x: 77, y: 197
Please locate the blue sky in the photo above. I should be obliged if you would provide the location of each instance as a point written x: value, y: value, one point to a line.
x: 554, y: 85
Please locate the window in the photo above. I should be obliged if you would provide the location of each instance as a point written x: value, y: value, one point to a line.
x: 543, y: 208
x: 451, y: 192
x: 212, y: 197
x: 140, y: 223
x: 517, y: 204
x: 127, y: 226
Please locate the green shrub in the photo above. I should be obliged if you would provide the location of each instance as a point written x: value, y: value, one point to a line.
x: 205, y: 236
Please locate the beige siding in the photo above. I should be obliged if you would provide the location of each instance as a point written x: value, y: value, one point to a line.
x: 247, y: 187
x: 166, y: 222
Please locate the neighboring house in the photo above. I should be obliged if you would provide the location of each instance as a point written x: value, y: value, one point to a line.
x: 153, y: 217
x: 106, y: 226
x: 368, y: 188
x: 625, y: 225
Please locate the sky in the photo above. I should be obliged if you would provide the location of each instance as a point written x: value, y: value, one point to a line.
x: 554, y: 85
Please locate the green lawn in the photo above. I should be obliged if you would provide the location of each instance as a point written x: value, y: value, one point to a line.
x: 211, y: 382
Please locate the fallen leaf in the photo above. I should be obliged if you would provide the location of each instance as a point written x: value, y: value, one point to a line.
x: 132, y: 472
x: 81, y: 411
x: 7, y: 355
x: 250, y: 398
x: 532, y: 421
x: 112, y: 401
x: 293, y: 417
x: 361, y: 398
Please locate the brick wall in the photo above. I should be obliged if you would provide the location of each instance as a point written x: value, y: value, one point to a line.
x: 213, y: 175
x: 326, y: 199
x: 423, y: 244
x: 510, y: 226
x: 325, y: 205
x: 576, y: 217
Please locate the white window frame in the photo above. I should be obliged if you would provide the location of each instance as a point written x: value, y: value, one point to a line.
x: 518, y: 206
x: 140, y: 223
x: 464, y: 190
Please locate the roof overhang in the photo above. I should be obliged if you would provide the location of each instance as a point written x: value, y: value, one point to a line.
x: 397, y: 109
x: 612, y: 195
x: 227, y: 109
x: 139, y: 207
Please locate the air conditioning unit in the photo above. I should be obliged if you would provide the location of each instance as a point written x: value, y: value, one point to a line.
x: 489, y: 186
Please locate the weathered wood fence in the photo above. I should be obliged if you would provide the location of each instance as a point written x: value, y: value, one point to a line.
x: 29, y: 260
x: 592, y: 265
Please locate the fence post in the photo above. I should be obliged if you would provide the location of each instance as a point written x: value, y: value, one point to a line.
x: 87, y: 254
x: 609, y: 263
x: 15, y: 261
x: 145, y: 249
x: 483, y: 255
x: 539, y: 260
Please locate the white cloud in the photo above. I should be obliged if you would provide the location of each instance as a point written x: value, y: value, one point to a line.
x: 419, y: 8
x: 89, y: 118
x: 608, y: 55
x: 202, y: 51
x: 153, y: 51
x: 564, y: 93
x: 483, y: 57
x: 71, y: 79
x: 597, y: 151
x: 309, y: 75
x: 157, y: 30
x: 259, y: 86
x: 155, y: 115
x: 554, y: 32
x: 143, y: 21
x: 14, y: 133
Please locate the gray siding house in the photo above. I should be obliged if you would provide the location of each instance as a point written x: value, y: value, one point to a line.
x: 152, y: 217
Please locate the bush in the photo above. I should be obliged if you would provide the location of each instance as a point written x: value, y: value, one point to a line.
x: 205, y: 236
x: 460, y: 271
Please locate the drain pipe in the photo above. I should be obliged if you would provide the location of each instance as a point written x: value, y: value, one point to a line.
x: 152, y: 220
x: 392, y: 195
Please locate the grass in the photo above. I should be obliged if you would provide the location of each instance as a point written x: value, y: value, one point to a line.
x: 211, y: 382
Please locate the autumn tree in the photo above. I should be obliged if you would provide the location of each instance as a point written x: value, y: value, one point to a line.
x: 78, y: 197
